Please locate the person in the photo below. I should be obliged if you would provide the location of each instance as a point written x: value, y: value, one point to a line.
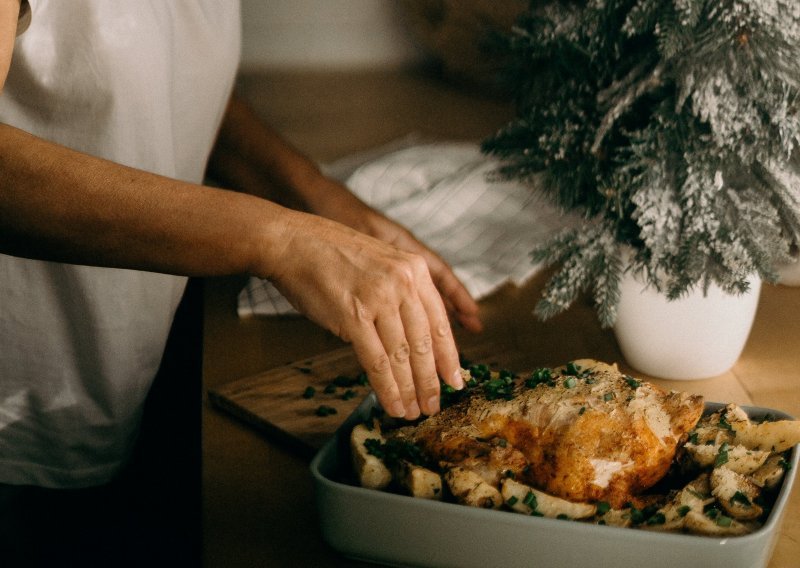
x: 109, y: 114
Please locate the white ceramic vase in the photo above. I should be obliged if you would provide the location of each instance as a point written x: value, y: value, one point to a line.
x: 694, y: 337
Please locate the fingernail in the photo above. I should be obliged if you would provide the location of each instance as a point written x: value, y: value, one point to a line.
x: 458, y: 381
x: 433, y: 405
x: 412, y: 412
x: 397, y: 409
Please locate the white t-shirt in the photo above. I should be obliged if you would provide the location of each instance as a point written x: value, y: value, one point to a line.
x: 143, y: 83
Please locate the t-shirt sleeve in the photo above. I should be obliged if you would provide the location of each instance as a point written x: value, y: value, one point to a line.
x: 24, y: 19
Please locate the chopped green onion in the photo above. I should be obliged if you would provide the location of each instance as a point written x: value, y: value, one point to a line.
x: 724, y: 521
x: 323, y: 410
x: 724, y: 424
x: 309, y: 392
x: 603, y: 507
x: 740, y: 497
x: 512, y: 501
x: 343, y: 381
x: 697, y: 494
x: 722, y: 455
x: 530, y: 500
x: 540, y: 376
x: 633, y: 383
x: 683, y: 510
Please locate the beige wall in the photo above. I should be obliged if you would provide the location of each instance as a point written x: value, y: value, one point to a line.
x: 324, y: 33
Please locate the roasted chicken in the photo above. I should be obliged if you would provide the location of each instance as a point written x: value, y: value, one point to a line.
x: 584, y: 432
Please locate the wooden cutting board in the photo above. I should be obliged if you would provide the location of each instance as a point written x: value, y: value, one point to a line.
x: 273, y: 401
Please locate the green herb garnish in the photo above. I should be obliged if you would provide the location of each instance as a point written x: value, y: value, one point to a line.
x: 480, y: 372
x: 309, y: 392
x: 344, y: 381
x: 740, y: 497
x: 724, y: 424
x: 633, y: 383
x: 603, y: 507
x: 323, y: 410
x: 394, y: 450
x: 499, y: 388
x: 722, y: 455
x: 724, y: 521
x: 539, y: 377
x: 530, y: 501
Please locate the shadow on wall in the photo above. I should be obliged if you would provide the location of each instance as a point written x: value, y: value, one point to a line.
x: 455, y: 34
x: 325, y: 34
x: 336, y: 34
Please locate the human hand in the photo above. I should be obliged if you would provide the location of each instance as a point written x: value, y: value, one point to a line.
x: 346, y: 208
x: 377, y: 297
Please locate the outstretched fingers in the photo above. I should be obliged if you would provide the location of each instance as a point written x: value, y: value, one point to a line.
x: 405, y: 344
x: 375, y: 361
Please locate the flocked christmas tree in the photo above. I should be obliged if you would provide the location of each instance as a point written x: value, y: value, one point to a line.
x: 673, y: 126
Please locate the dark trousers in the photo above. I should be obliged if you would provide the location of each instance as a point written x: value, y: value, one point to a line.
x: 150, y: 514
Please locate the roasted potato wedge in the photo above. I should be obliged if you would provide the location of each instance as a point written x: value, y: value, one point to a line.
x: 418, y: 481
x: 469, y: 488
x: 768, y: 436
x: 771, y: 473
x: 736, y: 457
x: 525, y: 499
x: 372, y: 473
x: 700, y: 523
x: 735, y: 493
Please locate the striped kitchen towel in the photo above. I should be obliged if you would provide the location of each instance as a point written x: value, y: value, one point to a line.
x: 446, y: 195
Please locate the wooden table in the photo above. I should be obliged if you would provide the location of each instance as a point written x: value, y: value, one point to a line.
x: 258, y: 505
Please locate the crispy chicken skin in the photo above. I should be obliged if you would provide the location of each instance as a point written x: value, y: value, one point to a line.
x: 589, y: 433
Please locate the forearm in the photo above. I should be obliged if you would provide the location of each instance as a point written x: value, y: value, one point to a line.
x: 251, y: 157
x: 58, y: 204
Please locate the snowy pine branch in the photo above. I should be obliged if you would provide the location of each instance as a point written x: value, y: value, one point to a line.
x: 673, y: 126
